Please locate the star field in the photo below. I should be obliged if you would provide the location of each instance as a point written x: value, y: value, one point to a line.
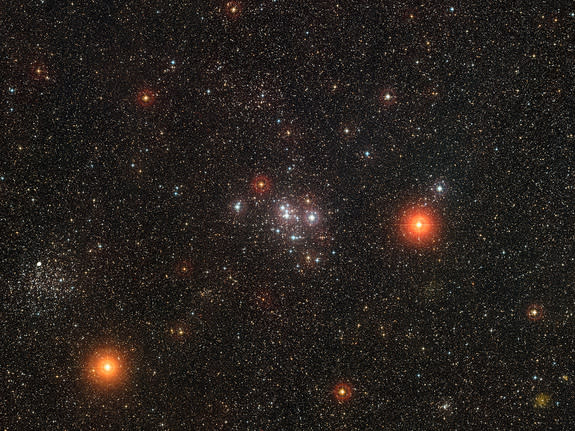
x: 287, y: 215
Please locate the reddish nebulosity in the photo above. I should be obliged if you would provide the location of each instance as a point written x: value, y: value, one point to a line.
x: 535, y: 312
x: 342, y: 392
x: 387, y: 97
x: 419, y: 226
x: 233, y: 9
x: 261, y: 184
x: 146, y: 97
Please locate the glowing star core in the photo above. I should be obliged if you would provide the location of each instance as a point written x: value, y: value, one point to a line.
x: 535, y: 312
x: 418, y: 226
x: 233, y: 9
x: 146, y: 98
x: 261, y: 184
x: 342, y: 392
x: 105, y: 368
x: 387, y: 97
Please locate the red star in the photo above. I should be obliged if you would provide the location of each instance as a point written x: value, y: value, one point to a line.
x: 146, y: 98
x: 535, y: 312
x: 233, y: 9
x: 106, y: 368
x: 419, y: 226
x: 261, y: 184
x: 342, y: 392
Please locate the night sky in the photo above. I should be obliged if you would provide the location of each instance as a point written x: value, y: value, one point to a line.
x: 287, y: 215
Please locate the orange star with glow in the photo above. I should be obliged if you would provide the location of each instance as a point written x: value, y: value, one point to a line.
x: 535, y: 312
x: 179, y: 330
x: 342, y: 392
x: 184, y: 268
x: 40, y: 72
x: 233, y: 9
x: 106, y: 368
x: 261, y: 184
x: 146, y: 97
x: 387, y: 97
x: 419, y: 226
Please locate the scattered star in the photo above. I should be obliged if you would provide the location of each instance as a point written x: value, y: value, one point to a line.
x: 387, y: 97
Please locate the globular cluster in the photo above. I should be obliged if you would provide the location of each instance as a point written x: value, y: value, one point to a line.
x: 287, y: 215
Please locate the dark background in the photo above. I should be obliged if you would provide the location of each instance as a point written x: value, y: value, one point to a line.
x: 103, y: 202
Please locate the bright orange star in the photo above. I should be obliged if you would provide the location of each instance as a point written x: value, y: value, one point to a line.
x: 419, y: 226
x: 39, y: 72
x: 106, y: 368
x: 233, y: 9
x: 342, y: 392
x: 261, y: 184
x: 184, y: 268
x: 146, y: 98
x: 535, y: 312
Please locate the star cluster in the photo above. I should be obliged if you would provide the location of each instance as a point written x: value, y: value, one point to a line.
x: 279, y: 215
